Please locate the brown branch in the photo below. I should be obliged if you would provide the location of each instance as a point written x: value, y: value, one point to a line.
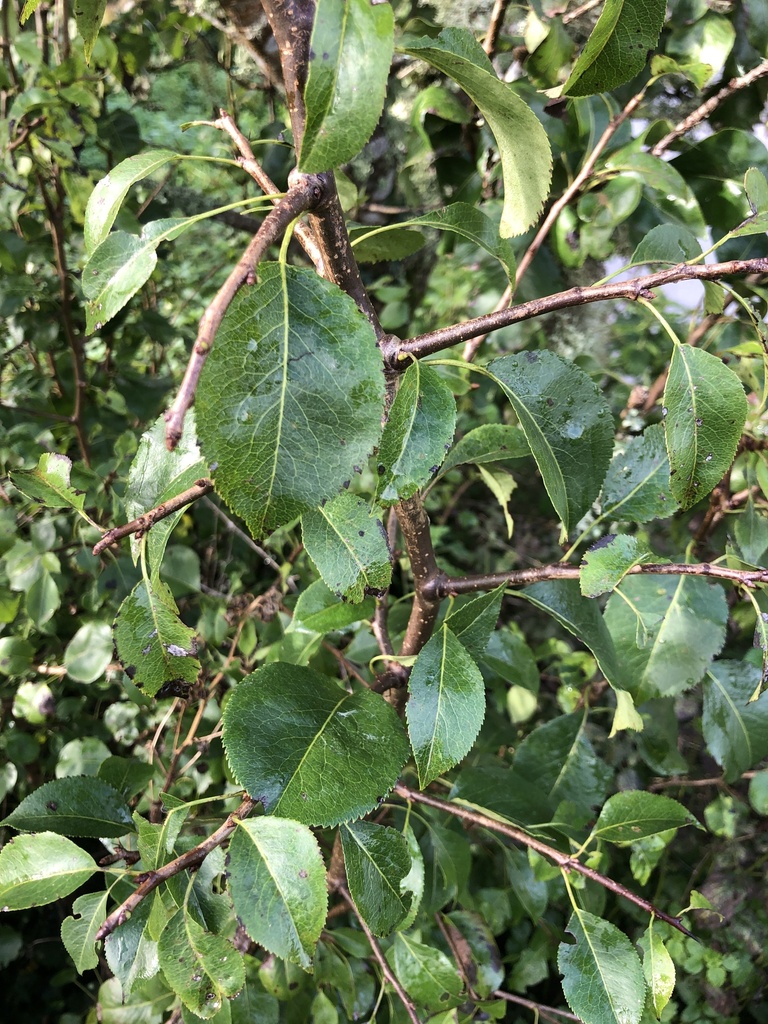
x: 495, y: 26
x: 307, y: 191
x: 386, y: 970
x: 154, y: 515
x: 414, y: 524
x: 548, y: 1012
x: 709, y: 106
x: 191, y: 859
x: 563, y: 860
x: 635, y: 288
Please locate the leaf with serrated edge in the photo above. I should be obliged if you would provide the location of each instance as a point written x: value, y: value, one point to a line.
x: 284, y: 425
x: 74, y: 806
x: 636, y: 486
x: 49, y: 483
x: 203, y: 969
x: 658, y: 967
x: 608, y: 561
x: 323, y: 756
x: 735, y: 731
x: 705, y: 412
x: 78, y: 933
x: 38, y: 869
x: 377, y: 861
x: 491, y: 442
x: 446, y: 706
x: 425, y: 973
x: 634, y: 814
x: 473, y: 623
x: 277, y: 884
x: 526, y: 159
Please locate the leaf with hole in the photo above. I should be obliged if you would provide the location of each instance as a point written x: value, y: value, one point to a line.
x: 78, y: 932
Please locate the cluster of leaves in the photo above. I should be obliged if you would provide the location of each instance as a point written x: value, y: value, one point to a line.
x: 145, y: 690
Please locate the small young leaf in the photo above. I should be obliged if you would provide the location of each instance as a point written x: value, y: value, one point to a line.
x: 320, y: 610
x: 735, y: 731
x: 417, y: 434
x: 636, y: 486
x: 49, y: 483
x: 634, y: 814
x: 446, y: 706
x: 153, y: 644
x: 203, y: 969
x: 277, y: 884
x: 608, y: 561
x: 38, y: 869
x: 426, y: 973
x: 75, y: 806
x: 618, y: 47
x: 526, y: 159
x: 756, y: 188
x: 349, y: 547
x: 473, y: 623
x: 658, y: 968
x: 323, y: 756
x: 350, y: 53
x: 706, y: 409
x: 377, y: 862
x: 78, y: 933
x: 501, y: 485
x: 491, y: 442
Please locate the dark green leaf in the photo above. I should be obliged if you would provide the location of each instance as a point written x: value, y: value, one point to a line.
x: 89, y: 652
x: 502, y: 790
x: 618, y: 48
x: 531, y: 892
x: 38, y: 869
x: 377, y: 862
x: 77, y: 806
x: 284, y: 425
x: 473, y: 623
x: 427, y: 975
x: 705, y: 412
x: 636, y: 486
x: 78, y: 933
x: 567, y: 423
x: 49, y: 483
x: 323, y: 756
x: 203, y: 969
x: 377, y: 246
x: 350, y: 53
x: 608, y: 561
x: 125, y: 774
x: 277, y: 883
x: 348, y: 544
x: 491, y: 442
x: 446, y: 706
x: 635, y: 814
x: 559, y: 758
x: 523, y: 145
x: 735, y: 730
x: 510, y: 658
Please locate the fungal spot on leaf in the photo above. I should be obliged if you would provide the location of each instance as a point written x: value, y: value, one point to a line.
x: 52, y: 805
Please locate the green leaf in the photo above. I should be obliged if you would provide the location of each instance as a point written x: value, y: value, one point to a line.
x: 446, y: 705
x: 634, y: 814
x: 89, y: 15
x: 126, y: 774
x: 473, y: 932
x: 491, y: 442
x: 350, y: 53
x: 560, y: 760
x: 417, y: 434
x: 735, y: 730
x: 130, y: 950
x: 526, y: 159
x: 78, y: 933
x: 602, y: 976
x: 379, y: 245
x: 38, y: 869
x: 636, y: 487
x: 277, y: 884
x: 89, y: 652
x: 203, y: 969
x: 504, y: 791
x: 377, y: 862
x: 567, y: 423
x: 320, y: 610
x: 563, y: 600
x: 509, y: 657
x: 751, y: 530
x: 107, y: 198
x: 473, y: 623
x: 705, y: 412
x: 49, y: 483
x: 75, y: 806
x: 756, y: 188
x: 501, y: 485
x: 617, y: 49
x: 147, y: 1004
x: 427, y: 975
x: 658, y: 968
x: 285, y: 426
x: 30, y: 6
x: 323, y: 756
x: 153, y: 644
x: 667, y: 243
x: 666, y: 631
x: 695, y: 72
x: 608, y: 561
x: 16, y: 655
x: 349, y: 546
x: 43, y: 599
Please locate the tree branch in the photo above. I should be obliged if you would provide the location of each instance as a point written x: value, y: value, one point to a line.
x: 154, y: 515
x: 547, y: 1012
x: 563, y: 860
x: 635, y: 288
x: 191, y: 859
x: 495, y: 26
x: 415, y: 527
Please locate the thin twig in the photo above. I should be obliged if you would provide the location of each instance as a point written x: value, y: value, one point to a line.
x: 548, y: 1012
x: 148, y: 519
x: 306, y: 193
x: 191, y: 859
x: 635, y: 288
x: 563, y: 860
x: 578, y: 11
x: 386, y: 970
x: 495, y: 26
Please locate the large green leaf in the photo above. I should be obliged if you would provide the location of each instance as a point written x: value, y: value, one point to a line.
x: 735, y: 730
x: 350, y: 53
x: 446, y: 705
x: 567, y: 423
x: 635, y: 814
x: 290, y: 401
x: 636, y: 486
x: 526, y: 160
x: 617, y: 49
x: 348, y: 544
x: 75, y: 806
x: 602, y: 976
x: 78, y: 933
x: 705, y: 412
x: 277, y: 884
x: 153, y: 644
x: 427, y: 975
x: 38, y: 869
x: 608, y: 561
x: 377, y: 862
x: 418, y: 432
x: 323, y: 755
x: 666, y: 630
x: 491, y: 442
x: 203, y: 969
